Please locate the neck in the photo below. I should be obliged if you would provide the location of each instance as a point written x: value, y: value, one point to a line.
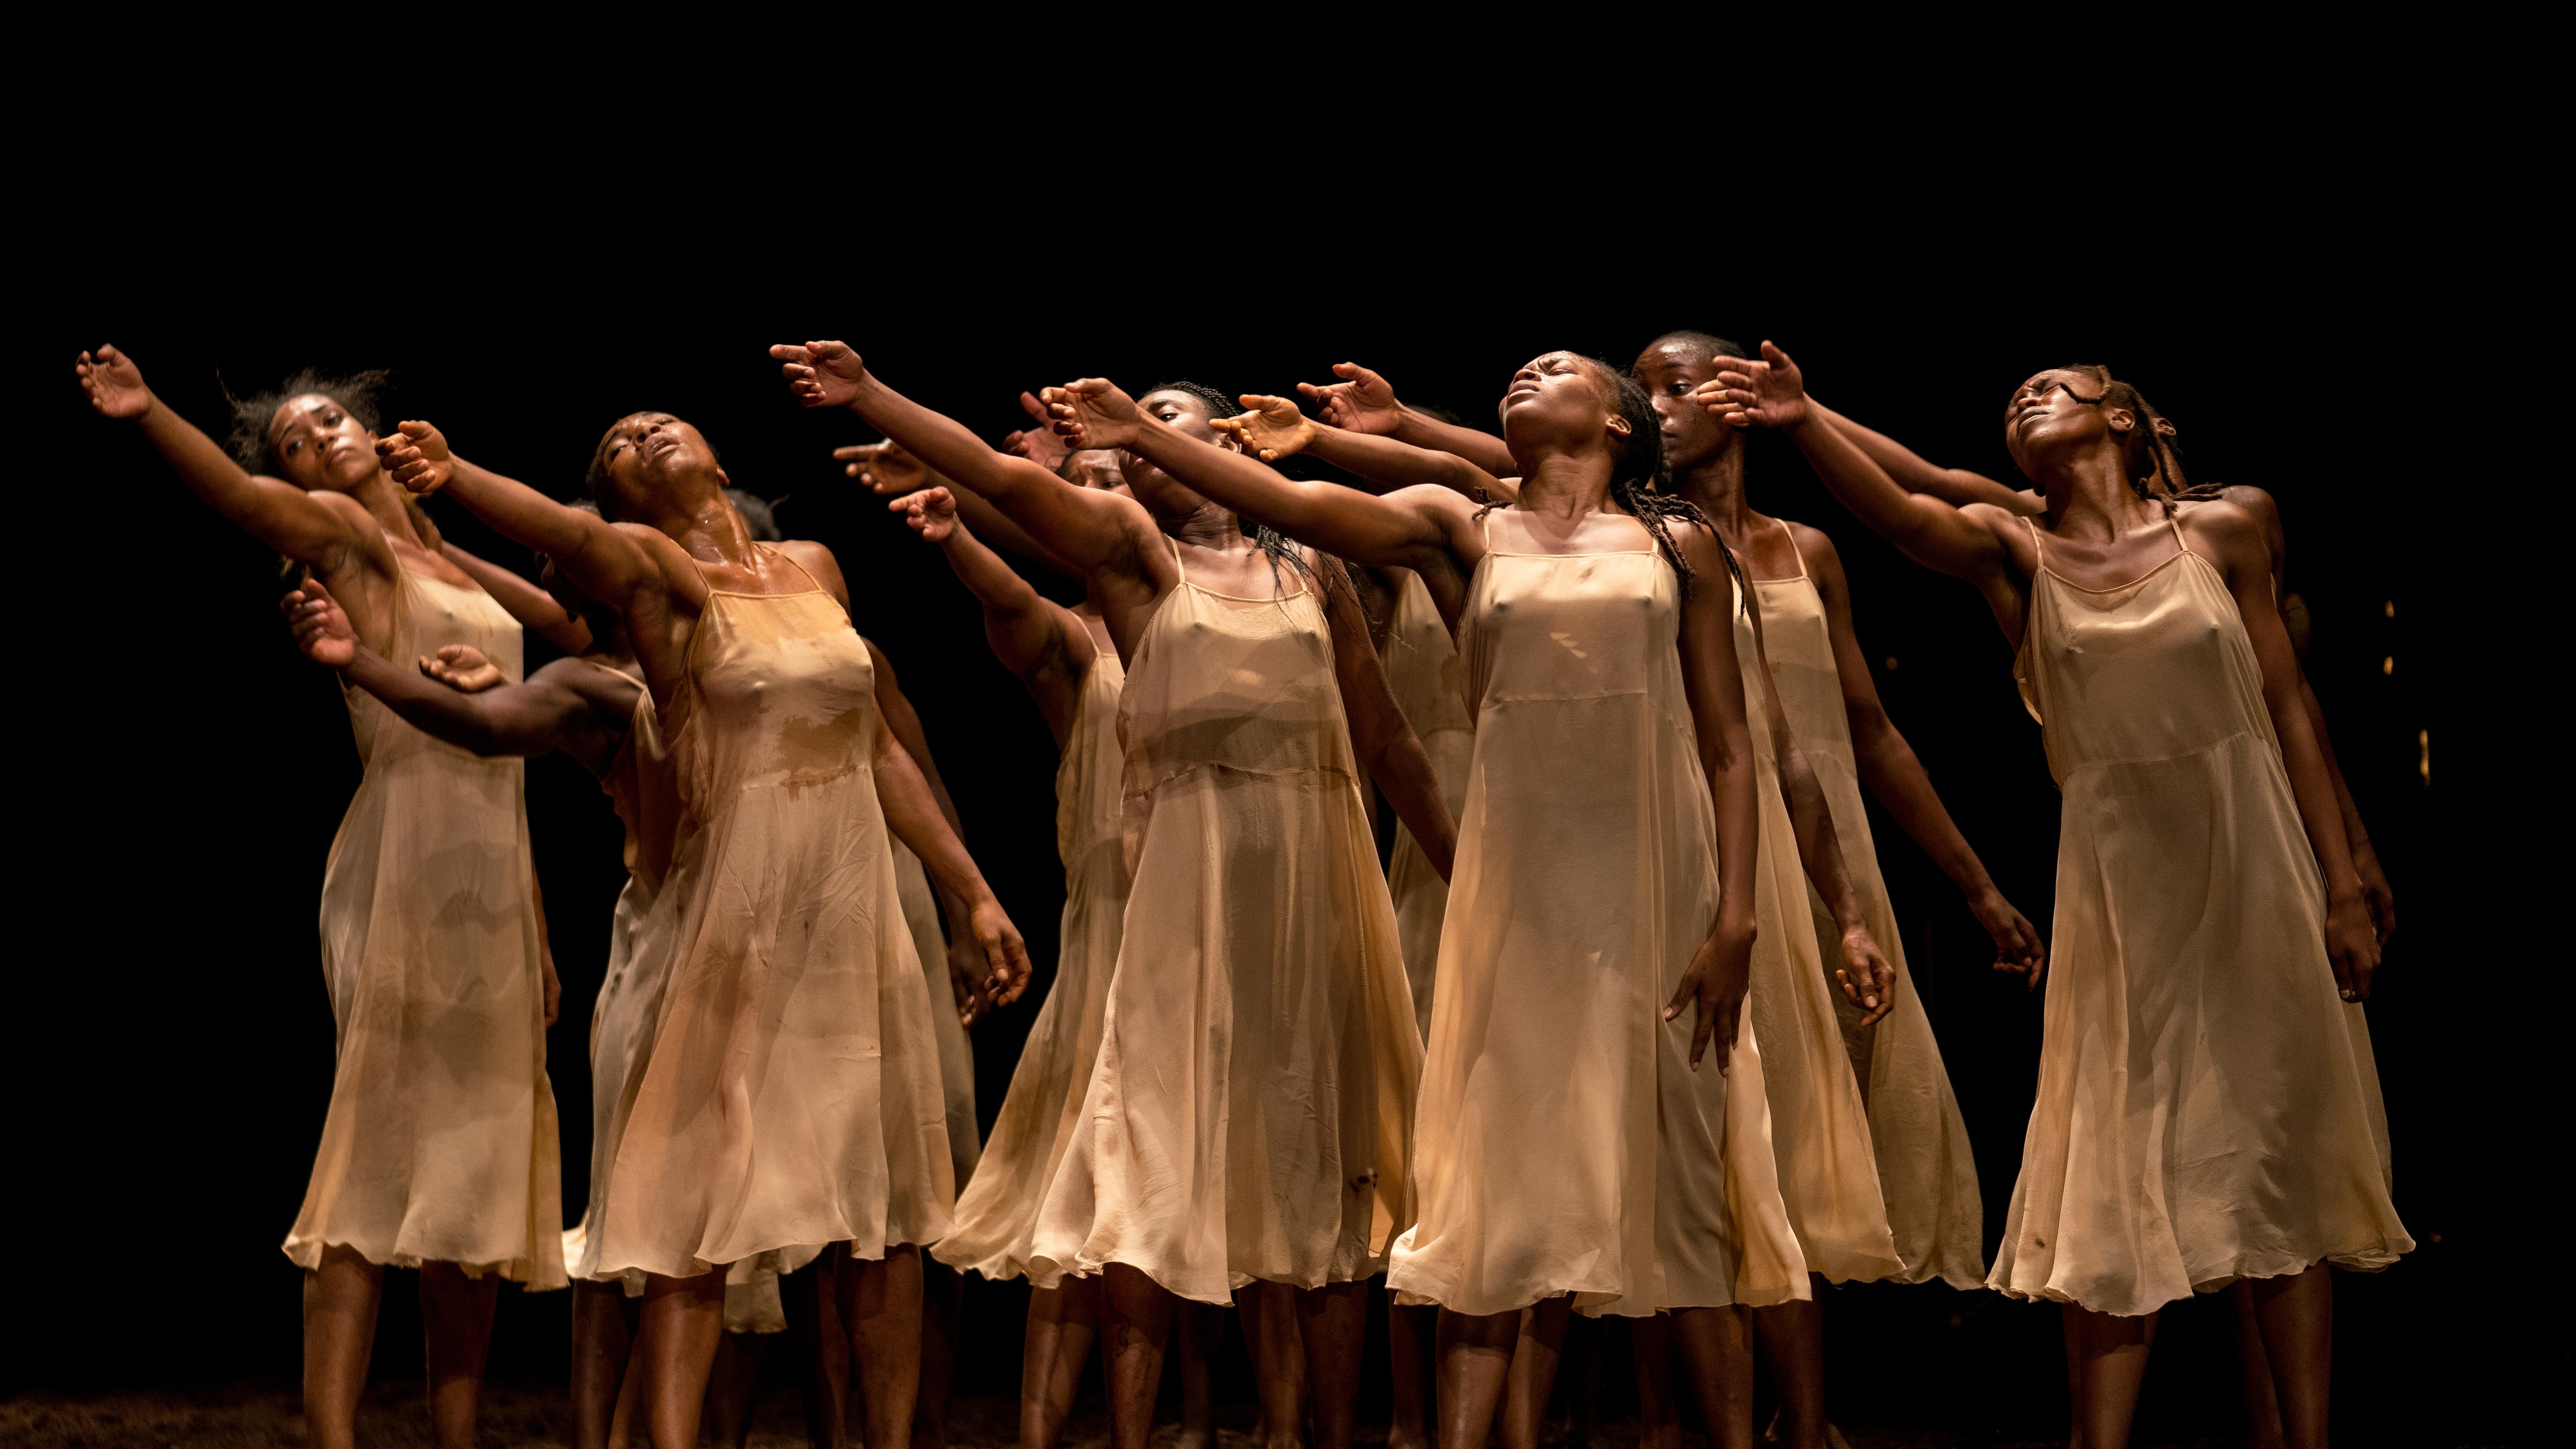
x: 2089, y: 495
x: 383, y: 498
x: 1566, y: 484
x: 1209, y: 527
x: 1716, y: 484
x: 708, y: 529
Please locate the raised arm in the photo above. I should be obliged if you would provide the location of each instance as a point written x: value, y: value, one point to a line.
x: 1388, y: 748
x: 533, y: 607
x: 513, y: 719
x: 1915, y: 474
x: 1274, y: 429
x: 1038, y: 640
x: 1364, y: 402
x: 889, y: 472
x: 1721, y: 971
x: 325, y: 531
x: 1084, y: 527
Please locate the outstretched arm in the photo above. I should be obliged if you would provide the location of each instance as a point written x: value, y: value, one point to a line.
x: 1274, y: 429
x: 321, y: 530
x: 889, y: 472
x: 533, y: 607
x: 1365, y: 402
x: 1036, y: 638
x: 1388, y: 748
x: 1913, y: 473
x: 513, y: 719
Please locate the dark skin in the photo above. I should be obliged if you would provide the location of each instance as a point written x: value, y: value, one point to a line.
x: 1122, y: 548
x: 679, y: 538
x: 2067, y: 438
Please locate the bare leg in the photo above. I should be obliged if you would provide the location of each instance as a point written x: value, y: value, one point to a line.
x: 1409, y: 1333
x: 1475, y: 1361
x: 881, y: 1312
x: 1659, y: 1407
x: 1717, y: 1352
x: 1535, y: 1353
x: 456, y: 1319
x: 602, y: 1339
x: 2254, y: 1371
x: 1136, y: 1317
x: 1201, y: 1330
x: 1278, y: 1361
x: 1791, y: 1336
x: 2072, y: 1332
x: 2297, y: 1317
x: 1332, y: 1324
x: 943, y: 1296
x: 630, y: 1395
x: 340, y: 1299
x: 2110, y: 1363
x: 683, y: 1318
x: 810, y: 1299
x: 1063, y: 1322
x: 733, y: 1385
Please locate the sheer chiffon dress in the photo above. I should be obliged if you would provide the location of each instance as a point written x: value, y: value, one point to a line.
x: 1428, y: 680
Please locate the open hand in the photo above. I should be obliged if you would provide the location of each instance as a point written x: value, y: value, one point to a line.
x: 1005, y: 957
x: 821, y: 374
x: 1093, y: 413
x: 1866, y: 976
x: 1770, y: 393
x: 1362, y: 402
x: 416, y: 455
x: 320, y: 627
x: 2352, y: 949
x: 2018, y: 951
x: 1273, y: 430
x: 885, y: 469
x: 1720, y: 973
x: 1039, y: 444
x: 932, y: 512
x: 114, y: 384
x: 463, y: 668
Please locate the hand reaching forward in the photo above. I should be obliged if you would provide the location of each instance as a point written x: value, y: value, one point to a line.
x: 1866, y: 976
x: 885, y: 468
x: 114, y: 384
x: 321, y: 629
x: 821, y: 374
x: 463, y: 668
x: 1273, y: 430
x: 932, y: 512
x: 416, y: 455
x: 1720, y: 973
x: 1093, y: 413
x: 1039, y: 444
x: 1766, y: 394
x: 1362, y: 403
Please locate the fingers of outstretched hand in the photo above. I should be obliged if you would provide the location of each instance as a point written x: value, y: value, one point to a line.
x: 790, y: 352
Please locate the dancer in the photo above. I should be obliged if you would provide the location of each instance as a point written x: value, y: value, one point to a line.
x: 1248, y: 1115
x: 1596, y: 619
x: 2208, y: 1107
x: 439, y: 1149
x: 793, y: 995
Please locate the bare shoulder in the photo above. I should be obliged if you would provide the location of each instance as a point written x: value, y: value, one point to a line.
x: 1814, y: 545
x: 1699, y: 546
x: 2230, y: 532
x: 817, y: 560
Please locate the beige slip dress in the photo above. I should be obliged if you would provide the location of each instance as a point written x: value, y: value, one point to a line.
x: 1428, y: 680
x: 2208, y: 1108
x: 1248, y: 1116
x: 440, y: 1143
x: 1926, y: 1172
x: 956, y: 1053
x: 1564, y: 1144
x: 791, y: 1097
x: 1819, y: 1124
x: 997, y: 1214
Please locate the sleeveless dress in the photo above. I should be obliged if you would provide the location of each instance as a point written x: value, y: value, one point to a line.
x: 956, y: 1053
x: 1428, y: 680
x: 1249, y: 1114
x: 1564, y: 1144
x: 440, y: 1143
x: 791, y: 1095
x: 2208, y: 1108
x: 1819, y: 1125
x: 1926, y: 1171
x: 997, y: 1214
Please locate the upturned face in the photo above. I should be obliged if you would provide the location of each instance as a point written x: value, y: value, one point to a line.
x: 320, y: 446
x: 1555, y: 398
x: 654, y: 458
x: 1669, y: 372
x: 2057, y: 413
x: 1161, y: 493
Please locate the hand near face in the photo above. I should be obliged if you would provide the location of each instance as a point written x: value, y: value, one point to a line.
x: 1866, y: 976
x: 463, y: 668
x: 320, y: 628
x: 821, y: 374
x: 885, y: 469
x: 1362, y: 402
x: 114, y: 384
x: 932, y: 512
x: 1273, y: 430
x: 416, y: 455
x: 1093, y: 413
x: 1770, y: 393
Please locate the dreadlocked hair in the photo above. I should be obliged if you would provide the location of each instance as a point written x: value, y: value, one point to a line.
x: 255, y: 417
x: 2146, y: 454
x: 1270, y: 540
x: 1639, y: 482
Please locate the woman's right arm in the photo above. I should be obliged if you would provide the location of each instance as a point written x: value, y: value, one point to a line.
x: 1032, y: 635
x: 527, y: 719
x: 316, y: 529
x: 1274, y: 429
x: 1364, y: 402
x: 1916, y: 474
x: 599, y: 557
x: 889, y: 472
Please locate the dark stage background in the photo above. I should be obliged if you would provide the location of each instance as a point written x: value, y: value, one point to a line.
x: 182, y: 770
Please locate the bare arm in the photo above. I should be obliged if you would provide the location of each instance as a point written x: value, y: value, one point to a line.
x: 1389, y: 750
x: 533, y: 607
x: 1721, y: 971
x: 513, y: 719
x: 1364, y: 402
x: 890, y: 473
x: 1037, y: 639
x: 915, y: 818
x: 1913, y: 473
x: 1274, y: 429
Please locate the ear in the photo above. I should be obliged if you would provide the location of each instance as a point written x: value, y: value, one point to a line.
x: 1618, y: 425
x: 2121, y: 420
x: 722, y: 481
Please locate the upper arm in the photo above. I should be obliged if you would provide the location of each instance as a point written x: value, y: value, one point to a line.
x: 1367, y: 700
x: 1851, y: 666
x: 2266, y: 512
x: 1712, y: 674
x: 2232, y: 538
x: 818, y: 561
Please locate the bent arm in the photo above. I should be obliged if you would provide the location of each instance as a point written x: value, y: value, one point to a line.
x: 1031, y: 635
x: 1388, y: 748
x: 533, y: 607
x: 599, y: 558
x: 526, y: 720
x: 303, y: 526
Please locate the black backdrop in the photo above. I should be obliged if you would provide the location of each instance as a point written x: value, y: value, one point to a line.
x: 182, y: 771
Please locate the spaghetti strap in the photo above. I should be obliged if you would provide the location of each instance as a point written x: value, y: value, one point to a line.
x: 2174, y: 522
x: 1793, y: 548
x: 2038, y: 556
x: 1177, y: 566
x: 791, y: 561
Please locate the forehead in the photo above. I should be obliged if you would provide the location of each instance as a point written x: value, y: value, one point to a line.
x: 2049, y: 377
x: 308, y: 408
x: 1677, y: 356
x: 1174, y: 397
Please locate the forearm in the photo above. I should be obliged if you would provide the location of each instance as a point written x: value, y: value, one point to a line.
x: 1326, y: 516
x: 1927, y: 531
x: 1820, y: 848
x: 520, y: 513
x: 1915, y: 474
x: 1482, y: 449
x: 1891, y: 772
x: 1727, y: 762
x: 275, y: 513
x: 998, y: 529
x: 463, y: 720
x: 945, y: 444
x: 1402, y: 768
x: 2314, y: 792
x: 533, y: 607
x: 1391, y: 463
x: 2353, y: 828
x: 913, y: 816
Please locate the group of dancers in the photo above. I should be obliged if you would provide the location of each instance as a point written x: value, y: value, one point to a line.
x: 1624, y: 1027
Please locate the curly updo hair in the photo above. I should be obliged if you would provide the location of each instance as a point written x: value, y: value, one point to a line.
x: 255, y: 417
